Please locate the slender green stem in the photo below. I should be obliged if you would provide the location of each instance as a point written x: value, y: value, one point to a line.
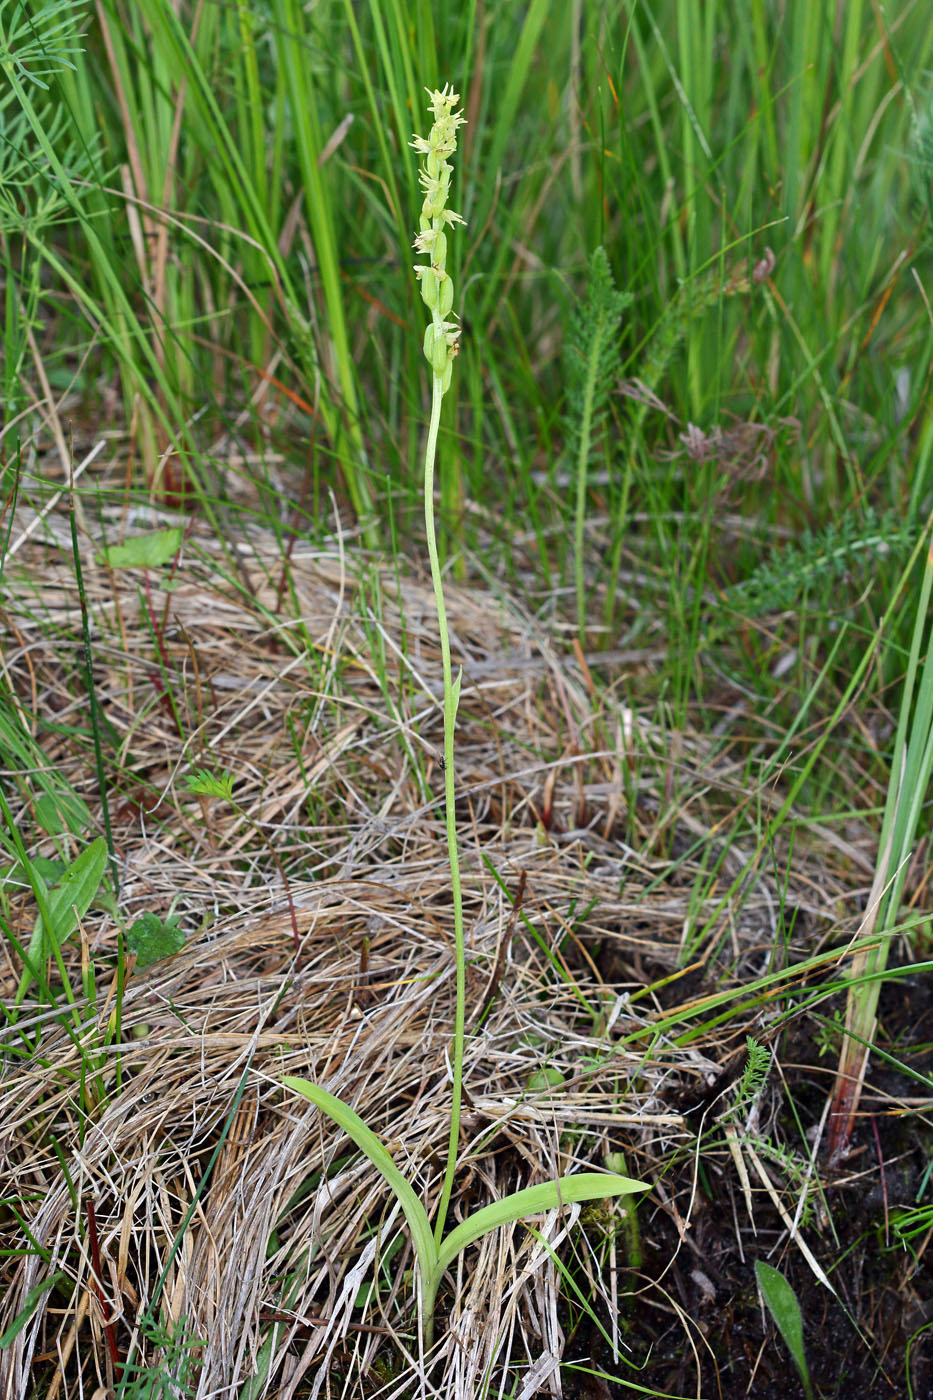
x: 451, y: 697
x: 580, y: 512
x: 93, y: 707
x: 440, y: 349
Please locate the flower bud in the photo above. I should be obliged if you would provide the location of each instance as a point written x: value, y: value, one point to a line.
x: 429, y: 343
x: 439, y: 357
x: 429, y: 288
x: 445, y: 296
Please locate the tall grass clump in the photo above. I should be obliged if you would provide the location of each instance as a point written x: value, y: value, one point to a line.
x: 435, y: 1251
x: 228, y: 225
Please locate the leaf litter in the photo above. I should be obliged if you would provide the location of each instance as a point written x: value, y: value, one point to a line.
x: 317, y: 932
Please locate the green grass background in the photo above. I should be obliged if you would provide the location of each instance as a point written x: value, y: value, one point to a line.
x: 206, y: 221
x: 197, y: 202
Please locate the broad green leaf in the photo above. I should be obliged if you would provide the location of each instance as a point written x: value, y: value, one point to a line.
x: 144, y: 551
x: 152, y: 940
x: 368, y: 1143
x: 534, y: 1200
x: 549, y: 1077
x: 784, y: 1308
x: 47, y: 815
x: 67, y: 903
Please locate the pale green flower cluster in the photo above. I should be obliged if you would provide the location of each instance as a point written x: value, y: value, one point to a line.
x: 437, y: 289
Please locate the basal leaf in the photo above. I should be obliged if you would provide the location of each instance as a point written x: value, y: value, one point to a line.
x: 368, y: 1143
x: 534, y: 1200
x: 144, y: 551
x: 67, y: 903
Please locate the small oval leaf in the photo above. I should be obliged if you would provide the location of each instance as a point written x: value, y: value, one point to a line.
x: 144, y: 551
x: 782, y: 1304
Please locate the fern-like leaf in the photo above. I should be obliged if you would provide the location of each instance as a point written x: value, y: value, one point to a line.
x: 816, y: 561
x: 591, y: 364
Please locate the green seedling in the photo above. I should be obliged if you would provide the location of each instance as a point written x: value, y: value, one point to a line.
x: 153, y: 939
x: 173, y: 1375
x: 61, y: 909
x: 433, y: 1250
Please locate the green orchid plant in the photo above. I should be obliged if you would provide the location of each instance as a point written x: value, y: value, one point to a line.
x: 434, y: 1251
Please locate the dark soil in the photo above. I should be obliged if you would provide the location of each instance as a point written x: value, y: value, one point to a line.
x: 883, y: 1349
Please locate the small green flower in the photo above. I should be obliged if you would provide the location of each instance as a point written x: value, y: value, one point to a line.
x: 437, y: 289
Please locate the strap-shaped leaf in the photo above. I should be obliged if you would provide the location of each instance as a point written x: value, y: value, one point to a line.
x: 784, y: 1308
x: 534, y: 1200
x: 366, y: 1140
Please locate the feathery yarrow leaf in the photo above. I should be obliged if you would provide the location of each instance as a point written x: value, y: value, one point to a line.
x: 817, y: 560
x: 592, y: 355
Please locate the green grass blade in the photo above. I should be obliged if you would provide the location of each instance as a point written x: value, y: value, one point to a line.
x: 320, y: 205
x: 30, y: 1303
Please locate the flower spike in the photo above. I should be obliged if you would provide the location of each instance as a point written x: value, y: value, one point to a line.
x: 437, y: 288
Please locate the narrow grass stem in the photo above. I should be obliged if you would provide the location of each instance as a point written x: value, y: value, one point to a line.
x: 579, y: 519
x: 451, y: 699
x: 93, y: 707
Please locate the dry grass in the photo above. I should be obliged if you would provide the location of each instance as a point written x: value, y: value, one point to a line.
x: 317, y: 687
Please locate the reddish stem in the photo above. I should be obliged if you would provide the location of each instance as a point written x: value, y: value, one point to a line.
x: 96, y: 1277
